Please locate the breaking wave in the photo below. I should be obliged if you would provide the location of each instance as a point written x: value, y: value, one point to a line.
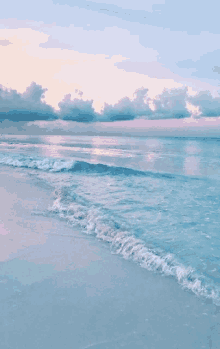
x: 61, y: 165
x: 93, y: 220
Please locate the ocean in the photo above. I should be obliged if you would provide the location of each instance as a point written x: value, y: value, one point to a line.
x: 154, y: 201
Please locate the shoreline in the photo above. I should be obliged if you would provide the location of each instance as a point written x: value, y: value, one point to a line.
x: 69, y: 291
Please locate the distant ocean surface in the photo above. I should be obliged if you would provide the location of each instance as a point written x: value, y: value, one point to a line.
x: 155, y: 201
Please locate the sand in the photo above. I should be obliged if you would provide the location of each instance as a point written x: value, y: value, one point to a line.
x: 60, y: 288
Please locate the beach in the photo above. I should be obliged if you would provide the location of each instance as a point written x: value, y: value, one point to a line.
x: 109, y: 175
x: 60, y: 288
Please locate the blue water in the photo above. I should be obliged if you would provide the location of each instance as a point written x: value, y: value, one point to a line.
x: 155, y: 201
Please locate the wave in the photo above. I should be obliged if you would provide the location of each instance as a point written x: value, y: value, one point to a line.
x: 93, y: 220
x: 46, y: 164
x: 62, y: 165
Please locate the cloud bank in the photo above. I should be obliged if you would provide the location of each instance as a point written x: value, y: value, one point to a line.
x: 28, y: 106
x: 77, y: 109
x: 170, y: 104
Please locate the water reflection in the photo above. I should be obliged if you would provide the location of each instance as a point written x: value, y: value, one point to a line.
x: 151, y: 152
x: 192, y: 160
x: 154, y: 144
x: 54, y: 139
x: 55, y: 147
x: 151, y: 157
x: 97, y: 141
x: 52, y: 151
x: 108, y: 148
x: 193, y: 148
x: 192, y: 166
x: 112, y: 153
x: 171, y: 155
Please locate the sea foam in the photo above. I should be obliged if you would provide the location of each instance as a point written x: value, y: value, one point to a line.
x: 93, y: 221
x: 124, y: 243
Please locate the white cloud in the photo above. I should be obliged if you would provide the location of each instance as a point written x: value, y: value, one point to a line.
x: 131, y: 4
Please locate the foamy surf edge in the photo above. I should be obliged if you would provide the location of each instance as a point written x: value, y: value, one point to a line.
x: 123, y: 243
x: 61, y: 165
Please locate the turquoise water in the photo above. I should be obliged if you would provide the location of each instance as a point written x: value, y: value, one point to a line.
x: 155, y: 201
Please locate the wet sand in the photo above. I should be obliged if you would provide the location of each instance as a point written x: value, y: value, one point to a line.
x: 60, y: 288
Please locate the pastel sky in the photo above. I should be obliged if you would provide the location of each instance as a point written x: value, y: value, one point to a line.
x: 110, y: 49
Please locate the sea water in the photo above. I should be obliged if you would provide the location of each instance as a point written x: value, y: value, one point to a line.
x: 155, y: 201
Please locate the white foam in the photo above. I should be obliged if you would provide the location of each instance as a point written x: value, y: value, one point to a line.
x: 123, y: 243
x: 51, y: 165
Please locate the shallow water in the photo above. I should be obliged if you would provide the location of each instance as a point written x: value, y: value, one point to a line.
x: 154, y: 200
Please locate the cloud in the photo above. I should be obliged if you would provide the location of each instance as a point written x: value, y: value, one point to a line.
x: 207, y: 104
x: 216, y: 69
x: 56, y: 43
x: 130, y: 4
x: 28, y: 106
x: 177, y: 103
x: 158, y: 13
x: 204, y: 67
x: 107, y: 41
x: 81, y: 110
x: 127, y: 109
x: 77, y: 109
x: 151, y: 69
x: 5, y: 42
x: 170, y: 104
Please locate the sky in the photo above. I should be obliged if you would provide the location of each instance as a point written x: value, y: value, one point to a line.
x: 109, y: 61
